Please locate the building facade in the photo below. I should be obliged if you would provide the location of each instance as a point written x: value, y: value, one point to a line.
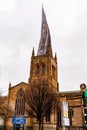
x: 45, y: 65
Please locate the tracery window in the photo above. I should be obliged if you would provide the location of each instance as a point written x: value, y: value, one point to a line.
x: 20, y: 103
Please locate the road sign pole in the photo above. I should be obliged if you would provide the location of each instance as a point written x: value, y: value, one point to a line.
x: 64, y: 127
x: 65, y: 119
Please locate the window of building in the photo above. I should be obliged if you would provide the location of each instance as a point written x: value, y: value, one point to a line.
x: 43, y: 68
x: 37, y: 69
x: 20, y: 103
x: 58, y: 117
x: 70, y: 114
x: 48, y: 115
x: 53, y: 71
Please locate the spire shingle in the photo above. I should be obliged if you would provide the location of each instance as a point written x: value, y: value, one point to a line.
x: 45, y: 40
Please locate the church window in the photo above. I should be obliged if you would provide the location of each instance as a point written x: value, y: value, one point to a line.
x: 53, y: 71
x: 58, y: 117
x: 43, y: 68
x: 48, y: 114
x: 70, y: 114
x: 37, y: 69
x: 20, y: 103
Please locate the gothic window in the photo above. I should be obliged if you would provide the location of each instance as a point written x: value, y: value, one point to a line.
x: 48, y: 114
x: 20, y: 103
x: 58, y: 117
x: 37, y: 69
x: 43, y: 68
x: 53, y: 71
x: 70, y: 114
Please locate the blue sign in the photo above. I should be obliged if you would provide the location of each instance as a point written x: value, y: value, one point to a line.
x: 18, y: 120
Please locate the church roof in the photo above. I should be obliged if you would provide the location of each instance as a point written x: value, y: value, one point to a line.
x: 45, y: 39
x: 21, y: 83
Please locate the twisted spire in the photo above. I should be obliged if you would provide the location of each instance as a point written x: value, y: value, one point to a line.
x: 45, y: 40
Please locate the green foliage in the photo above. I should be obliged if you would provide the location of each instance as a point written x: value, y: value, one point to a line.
x: 86, y: 93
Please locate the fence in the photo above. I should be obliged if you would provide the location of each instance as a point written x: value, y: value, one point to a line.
x: 58, y: 128
x: 73, y: 128
x: 11, y: 128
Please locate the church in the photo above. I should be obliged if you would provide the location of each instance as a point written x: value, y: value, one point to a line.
x: 44, y: 65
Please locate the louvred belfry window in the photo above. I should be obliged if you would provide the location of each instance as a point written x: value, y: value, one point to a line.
x: 37, y: 69
x: 43, y: 68
x: 53, y: 71
x: 20, y: 103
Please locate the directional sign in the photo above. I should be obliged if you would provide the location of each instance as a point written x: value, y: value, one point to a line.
x: 65, y: 122
x: 18, y: 120
x: 65, y: 119
x: 65, y: 109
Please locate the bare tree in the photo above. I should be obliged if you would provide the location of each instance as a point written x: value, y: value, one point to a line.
x: 2, y: 103
x: 41, y: 99
x: 5, y: 110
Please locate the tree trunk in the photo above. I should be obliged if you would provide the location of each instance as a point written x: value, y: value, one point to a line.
x: 40, y: 124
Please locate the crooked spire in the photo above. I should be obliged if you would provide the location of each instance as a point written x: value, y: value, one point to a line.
x: 45, y: 39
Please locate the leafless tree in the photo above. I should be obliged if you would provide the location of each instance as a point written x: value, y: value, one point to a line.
x: 2, y: 103
x: 41, y: 99
x: 5, y: 110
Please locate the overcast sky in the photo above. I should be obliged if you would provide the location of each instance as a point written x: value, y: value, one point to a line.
x: 20, y: 27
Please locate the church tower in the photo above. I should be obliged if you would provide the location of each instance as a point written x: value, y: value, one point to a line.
x: 44, y: 65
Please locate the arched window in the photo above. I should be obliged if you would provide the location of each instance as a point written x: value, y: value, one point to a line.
x: 43, y: 68
x: 70, y: 114
x: 37, y: 69
x: 53, y: 71
x: 58, y: 117
x: 20, y: 103
x: 48, y: 116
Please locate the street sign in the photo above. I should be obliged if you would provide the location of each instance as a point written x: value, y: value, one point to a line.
x: 65, y: 109
x: 65, y: 122
x: 65, y: 119
x: 18, y: 120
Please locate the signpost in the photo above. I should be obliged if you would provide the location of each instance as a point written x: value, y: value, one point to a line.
x: 18, y: 120
x: 1, y: 121
x: 65, y: 119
